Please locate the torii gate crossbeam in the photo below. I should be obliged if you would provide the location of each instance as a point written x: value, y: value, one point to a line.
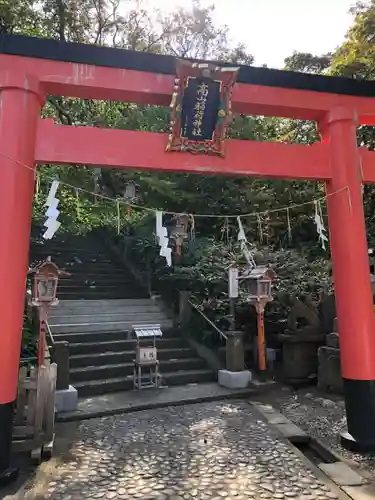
x: 33, y: 68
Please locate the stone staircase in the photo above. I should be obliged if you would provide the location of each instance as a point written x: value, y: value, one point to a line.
x: 98, y: 305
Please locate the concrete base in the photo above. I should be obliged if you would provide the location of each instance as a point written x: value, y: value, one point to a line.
x: 66, y: 400
x: 342, y: 474
x: 234, y: 380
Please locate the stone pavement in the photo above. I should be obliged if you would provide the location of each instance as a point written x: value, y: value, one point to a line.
x: 130, y: 401
x: 213, y: 451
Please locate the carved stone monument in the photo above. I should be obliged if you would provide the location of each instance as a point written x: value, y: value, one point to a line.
x: 300, y: 343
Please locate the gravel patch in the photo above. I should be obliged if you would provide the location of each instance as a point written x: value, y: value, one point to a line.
x: 323, y: 417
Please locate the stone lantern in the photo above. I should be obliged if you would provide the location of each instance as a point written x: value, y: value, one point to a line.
x: 259, y: 281
x: 179, y: 231
x: 46, y: 277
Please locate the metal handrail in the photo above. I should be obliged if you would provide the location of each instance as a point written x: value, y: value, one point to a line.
x: 49, y: 332
x: 208, y: 320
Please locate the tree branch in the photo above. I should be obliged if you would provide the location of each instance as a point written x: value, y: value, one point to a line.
x: 62, y: 113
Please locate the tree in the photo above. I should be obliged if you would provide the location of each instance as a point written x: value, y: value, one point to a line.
x: 20, y: 16
x: 184, y: 32
x: 356, y: 56
x: 193, y: 34
x: 307, y: 63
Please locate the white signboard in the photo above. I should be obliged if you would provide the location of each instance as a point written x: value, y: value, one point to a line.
x: 147, y: 354
x: 233, y: 282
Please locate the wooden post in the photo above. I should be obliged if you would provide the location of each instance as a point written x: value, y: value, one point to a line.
x: 21, y: 100
x: 262, y: 363
x: 42, y: 335
x: 354, y: 300
x: 49, y: 410
x: 232, y: 306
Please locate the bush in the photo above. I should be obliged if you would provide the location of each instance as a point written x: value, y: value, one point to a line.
x: 203, y: 270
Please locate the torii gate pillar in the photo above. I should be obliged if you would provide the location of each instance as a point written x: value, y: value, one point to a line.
x: 354, y: 302
x: 20, y: 106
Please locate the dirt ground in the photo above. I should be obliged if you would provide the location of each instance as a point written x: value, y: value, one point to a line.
x: 322, y: 416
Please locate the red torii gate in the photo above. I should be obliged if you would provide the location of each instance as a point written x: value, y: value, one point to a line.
x: 32, y: 68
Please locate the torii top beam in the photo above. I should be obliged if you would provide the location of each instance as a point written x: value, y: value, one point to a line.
x: 103, y: 73
x: 89, y: 71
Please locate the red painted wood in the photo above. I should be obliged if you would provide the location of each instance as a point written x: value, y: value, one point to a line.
x: 354, y: 304
x: 19, y: 115
x: 337, y: 161
x: 145, y: 150
x: 79, y: 80
x: 367, y: 165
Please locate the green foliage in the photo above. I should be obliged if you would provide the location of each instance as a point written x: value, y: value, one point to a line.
x: 21, y: 16
x: 307, y: 63
x: 203, y: 270
x: 29, y: 340
x: 356, y: 56
x: 192, y: 32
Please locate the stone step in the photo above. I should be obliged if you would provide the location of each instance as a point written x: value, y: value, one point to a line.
x: 109, y: 317
x: 63, y: 257
x: 105, y: 303
x: 79, y: 240
x: 89, y: 373
x: 104, y: 279
x: 92, y: 337
x: 104, y: 386
x: 86, y: 261
x: 102, y: 294
x: 63, y: 254
x: 103, y: 326
x: 79, y: 272
x: 115, y: 288
x: 88, y: 245
x: 62, y: 251
x: 105, y: 336
x: 65, y: 287
x: 81, y: 309
x: 107, y: 358
x: 92, y: 268
x: 122, y: 345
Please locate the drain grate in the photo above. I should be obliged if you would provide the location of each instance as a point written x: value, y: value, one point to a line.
x: 314, y: 451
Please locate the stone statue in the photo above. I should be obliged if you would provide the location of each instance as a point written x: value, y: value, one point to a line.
x: 303, y: 318
x: 300, y: 343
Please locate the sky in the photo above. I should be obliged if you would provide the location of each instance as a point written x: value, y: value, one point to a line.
x: 273, y: 29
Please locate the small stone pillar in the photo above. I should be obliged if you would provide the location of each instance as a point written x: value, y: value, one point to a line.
x: 66, y: 395
x: 329, y: 367
x: 235, y: 356
x: 60, y: 355
x: 184, y: 310
x: 235, y: 376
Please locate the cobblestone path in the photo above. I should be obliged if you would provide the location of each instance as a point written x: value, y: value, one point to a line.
x: 205, y: 451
